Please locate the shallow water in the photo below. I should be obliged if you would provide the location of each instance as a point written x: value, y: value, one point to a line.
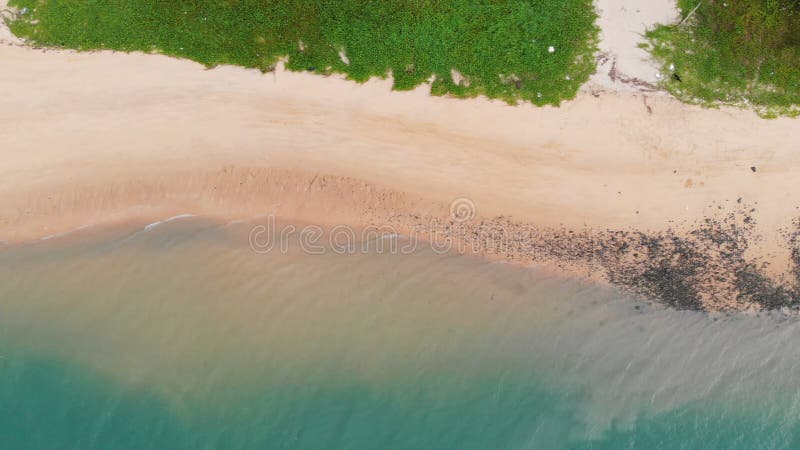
x: 181, y: 336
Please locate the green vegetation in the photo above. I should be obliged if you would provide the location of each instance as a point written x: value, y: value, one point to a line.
x: 501, y: 47
x: 736, y: 52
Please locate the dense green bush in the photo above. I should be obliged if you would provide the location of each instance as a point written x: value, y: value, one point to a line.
x: 501, y: 47
x: 734, y: 52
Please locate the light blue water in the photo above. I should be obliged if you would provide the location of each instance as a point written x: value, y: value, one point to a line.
x: 182, y: 337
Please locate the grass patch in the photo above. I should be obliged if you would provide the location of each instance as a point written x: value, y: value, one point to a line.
x: 733, y: 52
x: 498, y: 48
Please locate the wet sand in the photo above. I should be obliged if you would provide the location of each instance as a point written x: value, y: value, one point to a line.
x: 102, y: 138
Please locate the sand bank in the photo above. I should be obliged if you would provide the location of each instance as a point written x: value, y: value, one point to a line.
x: 105, y: 137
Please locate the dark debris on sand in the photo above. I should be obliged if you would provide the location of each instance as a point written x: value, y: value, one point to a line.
x: 703, y: 269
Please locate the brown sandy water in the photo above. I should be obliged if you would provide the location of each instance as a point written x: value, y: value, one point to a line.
x: 181, y: 335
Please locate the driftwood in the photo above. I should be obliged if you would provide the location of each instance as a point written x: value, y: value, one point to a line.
x: 690, y: 13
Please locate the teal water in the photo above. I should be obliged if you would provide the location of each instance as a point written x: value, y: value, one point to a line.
x: 180, y: 336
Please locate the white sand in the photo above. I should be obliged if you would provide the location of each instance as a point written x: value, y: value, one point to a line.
x: 622, y: 26
x: 6, y: 37
x: 100, y: 137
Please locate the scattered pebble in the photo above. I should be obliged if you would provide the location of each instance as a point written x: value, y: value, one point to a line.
x: 702, y: 269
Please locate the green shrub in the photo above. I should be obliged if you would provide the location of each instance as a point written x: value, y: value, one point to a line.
x: 740, y: 52
x: 499, y: 46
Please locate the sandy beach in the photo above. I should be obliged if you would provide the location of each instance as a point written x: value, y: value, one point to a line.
x: 102, y: 138
x: 195, y: 257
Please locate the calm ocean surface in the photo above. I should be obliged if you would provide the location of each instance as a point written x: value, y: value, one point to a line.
x: 181, y: 337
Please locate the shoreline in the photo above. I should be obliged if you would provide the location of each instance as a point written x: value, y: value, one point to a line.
x: 702, y: 267
x: 102, y: 137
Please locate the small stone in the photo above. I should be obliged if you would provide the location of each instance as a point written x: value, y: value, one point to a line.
x: 343, y: 57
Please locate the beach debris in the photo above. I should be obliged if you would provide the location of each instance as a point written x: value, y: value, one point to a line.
x: 510, y: 79
x: 24, y: 10
x: 690, y: 13
x: 343, y: 57
x: 649, y: 109
x: 702, y: 269
x: 568, y: 78
x: 753, y: 168
x: 458, y: 78
x: 301, y: 45
x: 551, y: 49
x: 677, y: 77
x: 658, y: 75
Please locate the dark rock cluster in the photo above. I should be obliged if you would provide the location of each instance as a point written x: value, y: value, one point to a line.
x: 703, y: 267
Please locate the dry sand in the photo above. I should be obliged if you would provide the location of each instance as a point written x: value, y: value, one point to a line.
x: 624, y: 65
x: 92, y: 138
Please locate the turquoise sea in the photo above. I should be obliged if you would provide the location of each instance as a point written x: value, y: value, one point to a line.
x: 180, y: 336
